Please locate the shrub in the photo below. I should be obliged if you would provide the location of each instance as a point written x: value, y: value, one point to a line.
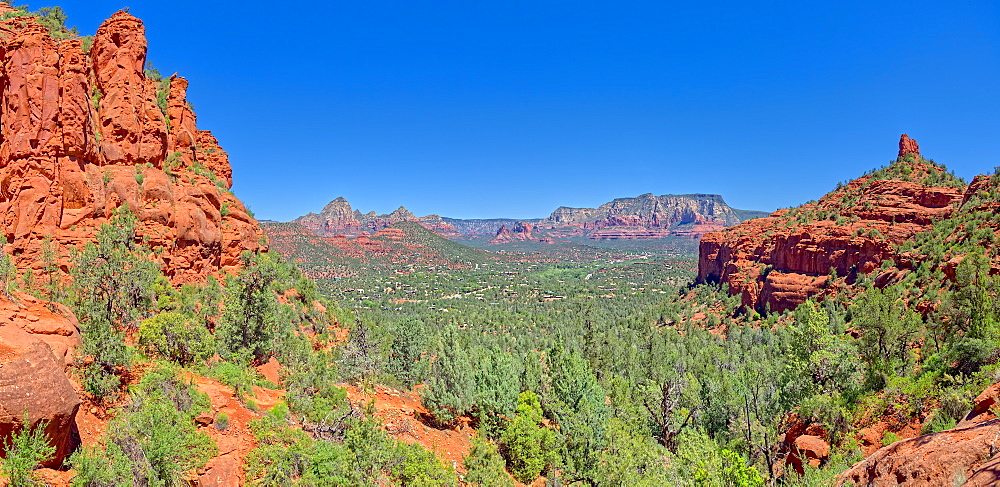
x: 251, y: 326
x: 86, y: 42
x: 451, y: 390
x: 8, y: 272
x: 312, y: 392
x: 527, y: 444
x: 101, y: 467
x: 241, y: 378
x: 736, y: 473
x: 176, y: 336
x: 484, y: 465
x: 222, y: 422
x: 112, y: 289
x: 25, y: 451
x: 153, y: 440
x: 889, y: 438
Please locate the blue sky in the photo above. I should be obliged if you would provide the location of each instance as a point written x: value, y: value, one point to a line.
x: 509, y: 108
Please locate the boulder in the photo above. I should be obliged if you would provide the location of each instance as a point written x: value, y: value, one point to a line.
x: 968, y: 454
x: 946, y: 458
x: 34, y: 385
x: 25, y: 319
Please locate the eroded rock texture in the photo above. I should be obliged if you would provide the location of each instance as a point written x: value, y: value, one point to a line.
x: 778, y: 262
x: 964, y: 455
x: 86, y: 132
x: 37, y: 340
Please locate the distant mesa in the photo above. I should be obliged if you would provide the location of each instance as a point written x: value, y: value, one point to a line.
x: 339, y: 218
x: 648, y: 217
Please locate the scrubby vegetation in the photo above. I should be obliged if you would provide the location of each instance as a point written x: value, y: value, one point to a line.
x: 25, y: 450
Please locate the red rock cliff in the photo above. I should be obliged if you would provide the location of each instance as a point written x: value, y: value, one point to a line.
x: 781, y: 260
x: 86, y: 132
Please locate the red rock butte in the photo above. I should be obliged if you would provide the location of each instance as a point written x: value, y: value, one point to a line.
x: 86, y: 131
x: 908, y: 146
x: 779, y: 261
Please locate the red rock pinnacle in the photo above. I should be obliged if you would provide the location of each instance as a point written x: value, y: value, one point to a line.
x: 908, y: 146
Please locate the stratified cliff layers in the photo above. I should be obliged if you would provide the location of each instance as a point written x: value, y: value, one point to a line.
x: 648, y: 217
x: 85, y: 131
x: 779, y: 261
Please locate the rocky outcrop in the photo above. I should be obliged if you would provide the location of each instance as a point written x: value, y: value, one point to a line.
x: 803, y: 443
x: 908, y: 147
x: 647, y: 217
x: 965, y: 455
x: 518, y: 232
x: 86, y: 132
x: 25, y: 319
x: 440, y: 226
x: 37, y: 340
x: 373, y: 223
x: 336, y: 218
x: 778, y: 262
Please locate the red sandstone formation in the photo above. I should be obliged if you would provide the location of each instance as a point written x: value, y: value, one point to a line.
x: 647, y: 217
x: 908, y: 146
x: 804, y: 442
x: 37, y: 339
x: 964, y: 455
x: 779, y: 261
x: 83, y: 134
x: 438, y: 225
x: 338, y: 218
x: 519, y: 232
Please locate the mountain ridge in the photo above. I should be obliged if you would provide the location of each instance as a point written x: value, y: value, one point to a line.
x: 643, y: 217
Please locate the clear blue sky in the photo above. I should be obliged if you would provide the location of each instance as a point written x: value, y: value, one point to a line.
x: 512, y: 108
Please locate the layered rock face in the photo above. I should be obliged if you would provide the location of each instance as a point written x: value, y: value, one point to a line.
x: 336, y: 218
x: 440, y: 225
x: 84, y: 133
x: 478, y: 226
x: 779, y: 261
x: 648, y: 217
